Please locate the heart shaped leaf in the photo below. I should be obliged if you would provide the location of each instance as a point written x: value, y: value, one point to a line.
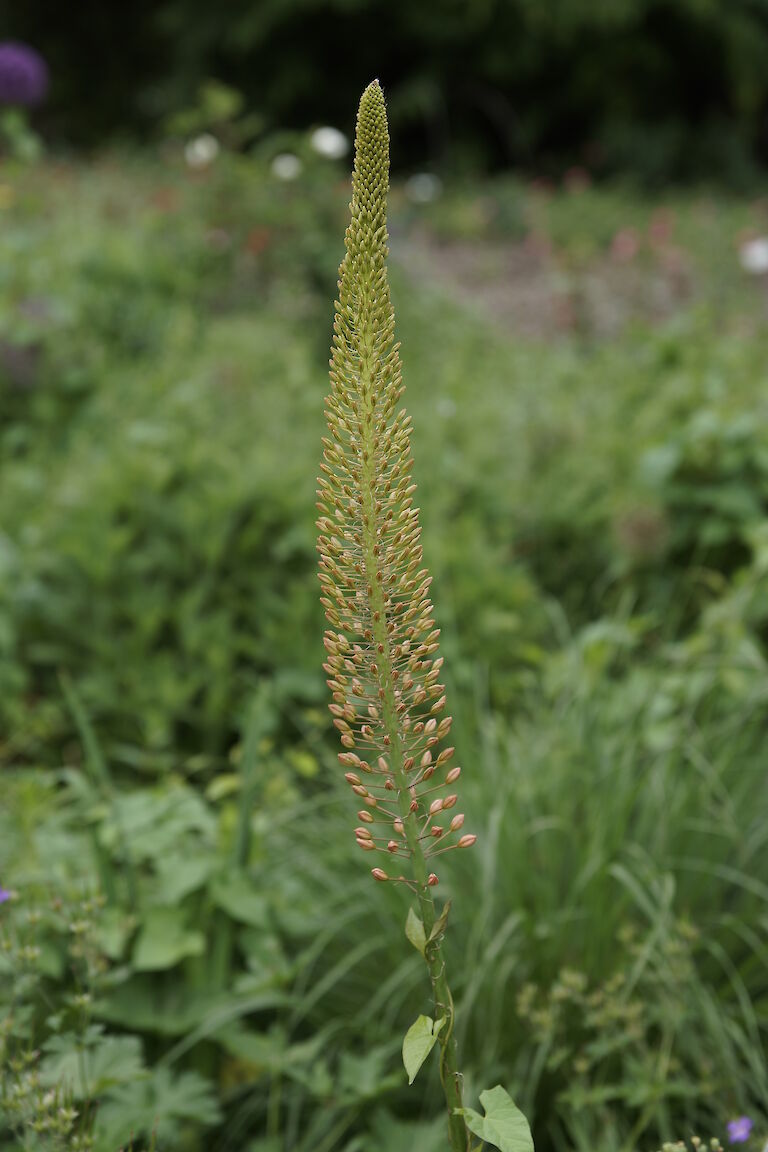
x: 419, y: 1041
x: 503, y: 1125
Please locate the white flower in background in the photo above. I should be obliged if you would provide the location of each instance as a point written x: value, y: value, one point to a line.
x: 286, y: 166
x: 753, y: 256
x: 201, y: 151
x: 329, y: 142
x: 423, y: 187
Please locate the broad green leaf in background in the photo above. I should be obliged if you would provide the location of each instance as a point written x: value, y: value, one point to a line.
x: 164, y: 939
x: 503, y: 1125
x: 419, y: 1041
x: 88, y: 1071
x: 164, y: 1103
x: 235, y: 894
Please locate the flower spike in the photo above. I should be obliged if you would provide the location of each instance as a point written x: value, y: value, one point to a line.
x: 382, y: 644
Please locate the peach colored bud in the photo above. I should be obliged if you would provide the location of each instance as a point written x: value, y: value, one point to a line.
x: 398, y: 826
x: 438, y: 705
x: 414, y: 806
x: 366, y: 845
x: 349, y: 759
x: 383, y: 766
x: 362, y: 833
x: 467, y: 841
x: 445, y: 755
x: 347, y: 740
x: 360, y: 789
x: 428, y: 772
x: 450, y: 800
x: 426, y: 759
x: 457, y: 822
x: 389, y: 785
x: 365, y: 816
x: 436, y: 806
x: 453, y: 775
x: 437, y: 831
x: 430, y: 725
x: 392, y: 846
x: 379, y: 874
x: 351, y: 778
x: 432, y: 880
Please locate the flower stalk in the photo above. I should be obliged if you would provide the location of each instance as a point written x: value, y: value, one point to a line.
x: 382, y: 646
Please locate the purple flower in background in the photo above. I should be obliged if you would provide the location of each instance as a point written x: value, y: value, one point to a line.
x: 739, y: 1130
x: 23, y: 74
x: 4, y: 894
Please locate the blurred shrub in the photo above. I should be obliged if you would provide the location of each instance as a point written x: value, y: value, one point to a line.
x: 663, y: 88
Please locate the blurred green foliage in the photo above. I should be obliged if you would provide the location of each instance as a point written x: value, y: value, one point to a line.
x: 662, y: 88
x: 595, y: 508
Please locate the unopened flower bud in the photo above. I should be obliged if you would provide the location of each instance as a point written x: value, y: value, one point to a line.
x: 392, y: 846
x: 379, y: 874
x: 452, y: 775
x: 457, y: 822
x: 467, y: 841
x: 450, y: 801
x: 399, y: 826
x: 365, y: 816
x: 436, y: 806
x: 432, y: 880
x: 351, y: 778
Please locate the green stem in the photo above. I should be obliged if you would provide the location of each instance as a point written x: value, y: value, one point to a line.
x: 449, y: 1071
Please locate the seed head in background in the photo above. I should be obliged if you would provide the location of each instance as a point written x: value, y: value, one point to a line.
x: 382, y: 645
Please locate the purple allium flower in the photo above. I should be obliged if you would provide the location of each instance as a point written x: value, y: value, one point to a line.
x: 23, y: 74
x: 739, y: 1130
x: 4, y: 895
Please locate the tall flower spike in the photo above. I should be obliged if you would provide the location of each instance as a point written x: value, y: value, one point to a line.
x: 382, y: 647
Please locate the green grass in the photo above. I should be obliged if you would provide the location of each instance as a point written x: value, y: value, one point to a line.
x: 594, y: 502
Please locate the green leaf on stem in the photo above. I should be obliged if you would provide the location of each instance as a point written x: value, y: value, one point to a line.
x: 503, y: 1125
x: 440, y: 923
x: 414, y: 930
x: 419, y: 1041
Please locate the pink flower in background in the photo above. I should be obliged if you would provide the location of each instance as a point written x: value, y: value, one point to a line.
x: 625, y: 245
x: 661, y: 227
x: 577, y: 179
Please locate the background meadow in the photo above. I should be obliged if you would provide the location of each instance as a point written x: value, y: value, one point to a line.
x: 192, y: 951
